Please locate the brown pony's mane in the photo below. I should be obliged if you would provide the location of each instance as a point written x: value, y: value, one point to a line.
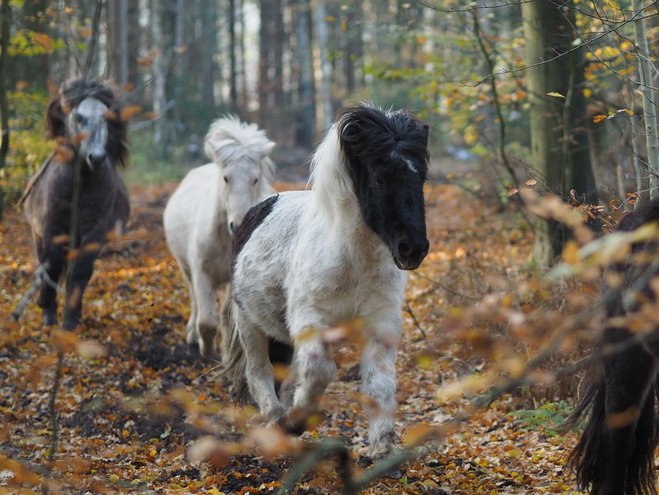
x: 70, y: 95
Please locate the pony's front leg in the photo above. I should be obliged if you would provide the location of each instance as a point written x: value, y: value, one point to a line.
x: 258, y: 370
x: 378, y: 373
x: 207, y: 320
x: 313, y: 370
x: 52, y: 259
x: 83, y: 268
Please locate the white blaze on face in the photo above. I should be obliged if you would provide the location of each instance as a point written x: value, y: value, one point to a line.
x: 241, y: 191
x: 410, y: 163
x: 89, y: 125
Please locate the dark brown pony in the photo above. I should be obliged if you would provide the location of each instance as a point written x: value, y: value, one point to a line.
x: 615, y: 455
x: 85, y: 119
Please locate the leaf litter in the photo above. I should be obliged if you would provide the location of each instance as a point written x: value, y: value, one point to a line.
x: 138, y: 413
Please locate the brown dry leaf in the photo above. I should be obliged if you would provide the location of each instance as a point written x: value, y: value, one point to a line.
x: 128, y: 112
x: 43, y: 40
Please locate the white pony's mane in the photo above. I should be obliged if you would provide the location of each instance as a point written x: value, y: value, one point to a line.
x: 229, y: 140
x: 332, y: 184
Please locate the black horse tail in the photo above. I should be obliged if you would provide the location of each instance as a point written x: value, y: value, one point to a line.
x: 592, y: 458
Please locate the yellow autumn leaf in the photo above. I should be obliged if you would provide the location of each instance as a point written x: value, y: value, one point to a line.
x: 531, y: 182
x: 557, y: 95
x: 599, y: 118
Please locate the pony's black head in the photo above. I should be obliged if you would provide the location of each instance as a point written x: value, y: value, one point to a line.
x: 387, y: 154
x: 65, y: 113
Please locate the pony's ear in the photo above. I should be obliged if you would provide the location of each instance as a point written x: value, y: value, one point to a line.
x: 426, y: 129
x: 55, y: 125
x: 209, y: 150
x: 267, y: 149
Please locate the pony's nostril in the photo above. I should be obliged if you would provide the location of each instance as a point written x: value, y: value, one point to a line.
x: 404, y: 249
x: 95, y: 159
x: 232, y: 227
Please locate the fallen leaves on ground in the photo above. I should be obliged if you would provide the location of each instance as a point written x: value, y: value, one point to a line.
x: 137, y: 413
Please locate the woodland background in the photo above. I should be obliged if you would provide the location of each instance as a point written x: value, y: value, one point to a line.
x: 521, y: 97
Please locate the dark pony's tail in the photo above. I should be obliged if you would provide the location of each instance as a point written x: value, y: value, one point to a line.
x: 233, y: 355
x: 590, y: 459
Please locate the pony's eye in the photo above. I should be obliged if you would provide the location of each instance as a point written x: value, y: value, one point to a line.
x: 256, y: 180
x: 226, y: 179
x: 79, y: 119
x: 379, y: 182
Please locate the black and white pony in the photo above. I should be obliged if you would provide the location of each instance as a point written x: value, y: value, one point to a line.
x: 205, y: 211
x: 85, y: 119
x: 306, y: 261
x: 615, y: 455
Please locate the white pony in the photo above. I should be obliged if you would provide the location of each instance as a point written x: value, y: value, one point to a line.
x: 205, y: 211
x: 306, y: 261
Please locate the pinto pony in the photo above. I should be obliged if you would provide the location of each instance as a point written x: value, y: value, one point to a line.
x: 85, y: 118
x: 615, y: 455
x: 305, y: 261
x: 205, y: 211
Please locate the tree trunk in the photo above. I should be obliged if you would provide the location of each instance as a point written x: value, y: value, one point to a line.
x: 553, y: 68
x: 306, y: 121
x: 233, y: 71
x: 325, y: 70
x: 159, y: 71
x: 5, y: 23
x: 649, y: 97
x: 354, y: 48
x: 118, y: 41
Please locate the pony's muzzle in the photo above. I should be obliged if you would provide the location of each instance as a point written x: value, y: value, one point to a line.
x: 95, y: 160
x: 409, y: 257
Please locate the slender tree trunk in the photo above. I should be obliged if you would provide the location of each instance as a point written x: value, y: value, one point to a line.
x: 210, y: 47
x: 354, y: 48
x: 244, y: 94
x: 548, y: 36
x: 233, y: 77
x: 325, y: 70
x: 649, y: 96
x: 306, y: 121
x: 5, y: 23
x: 159, y: 71
x: 118, y: 40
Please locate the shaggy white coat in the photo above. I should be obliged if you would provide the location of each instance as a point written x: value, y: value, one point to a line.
x: 209, y: 204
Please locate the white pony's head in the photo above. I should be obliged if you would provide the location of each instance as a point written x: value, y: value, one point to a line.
x: 241, y: 151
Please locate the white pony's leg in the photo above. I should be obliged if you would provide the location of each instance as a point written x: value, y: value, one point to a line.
x: 207, y: 320
x: 378, y: 373
x: 192, y: 336
x: 258, y: 369
x: 314, y: 369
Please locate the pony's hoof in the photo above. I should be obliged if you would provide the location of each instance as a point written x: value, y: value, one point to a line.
x: 193, y: 349
x: 298, y: 421
x: 49, y: 319
x: 393, y: 472
x: 69, y: 324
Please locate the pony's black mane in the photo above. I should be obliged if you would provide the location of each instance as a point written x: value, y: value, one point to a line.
x: 71, y: 94
x: 370, y: 134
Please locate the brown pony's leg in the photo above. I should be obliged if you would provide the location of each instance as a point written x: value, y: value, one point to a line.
x: 82, y: 272
x: 51, y: 257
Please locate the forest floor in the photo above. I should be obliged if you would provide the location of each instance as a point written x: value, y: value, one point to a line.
x: 133, y: 404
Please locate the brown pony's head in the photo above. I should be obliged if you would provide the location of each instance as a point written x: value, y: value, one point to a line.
x: 67, y: 115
